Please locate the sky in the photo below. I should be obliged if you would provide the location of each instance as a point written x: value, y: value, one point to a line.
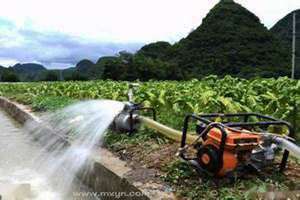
x: 59, y: 33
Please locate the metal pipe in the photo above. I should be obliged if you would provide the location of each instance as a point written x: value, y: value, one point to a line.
x: 167, y: 131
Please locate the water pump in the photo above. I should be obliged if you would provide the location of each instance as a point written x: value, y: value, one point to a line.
x: 235, y: 147
x: 128, y: 120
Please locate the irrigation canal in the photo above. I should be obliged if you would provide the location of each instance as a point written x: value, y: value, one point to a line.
x: 20, y: 178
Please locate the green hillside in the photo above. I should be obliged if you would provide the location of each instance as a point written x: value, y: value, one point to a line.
x: 28, y: 71
x: 157, y: 50
x: 8, y: 75
x: 84, y: 65
x: 231, y: 40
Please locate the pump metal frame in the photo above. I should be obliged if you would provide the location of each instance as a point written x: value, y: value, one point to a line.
x: 265, y: 121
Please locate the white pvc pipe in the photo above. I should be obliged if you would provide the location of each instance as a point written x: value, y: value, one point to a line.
x: 291, y: 147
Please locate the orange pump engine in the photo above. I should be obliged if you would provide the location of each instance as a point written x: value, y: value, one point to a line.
x: 228, y: 147
x: 237, y: 150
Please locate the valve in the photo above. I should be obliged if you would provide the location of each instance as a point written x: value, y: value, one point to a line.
x: 131, y: 88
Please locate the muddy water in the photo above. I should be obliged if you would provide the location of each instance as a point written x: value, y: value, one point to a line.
x: 18, y: 177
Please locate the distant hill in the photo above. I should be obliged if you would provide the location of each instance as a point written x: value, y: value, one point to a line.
x: 84, y: 65
x: 157, y: 50
x: 56, y: 74
x: 2, y: 68
x: 36, y: 72
x: 283, y: 29
x: 231, y: 40
x: 28, y: 67
x: 29, y: 71
x: 111, y: 67
x: 8, y: 75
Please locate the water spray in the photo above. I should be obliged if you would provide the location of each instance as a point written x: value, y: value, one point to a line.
x: 236, y: 145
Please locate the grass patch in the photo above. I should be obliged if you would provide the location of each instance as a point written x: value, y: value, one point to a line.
x: 50, y: 103
x: 42, y: 103
x: 189, y: 184
x: 116, y: 141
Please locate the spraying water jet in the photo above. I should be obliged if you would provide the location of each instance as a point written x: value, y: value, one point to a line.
x: 69, y: 137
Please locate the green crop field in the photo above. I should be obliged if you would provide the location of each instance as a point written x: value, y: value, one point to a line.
x: 172, y: 100
x: 277, y: 97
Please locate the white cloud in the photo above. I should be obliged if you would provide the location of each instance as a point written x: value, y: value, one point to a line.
x: 109, y: 20
x: 7, y: 62
x: 130, y: 20
x: 106, y: 22
x: 53, y: 49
